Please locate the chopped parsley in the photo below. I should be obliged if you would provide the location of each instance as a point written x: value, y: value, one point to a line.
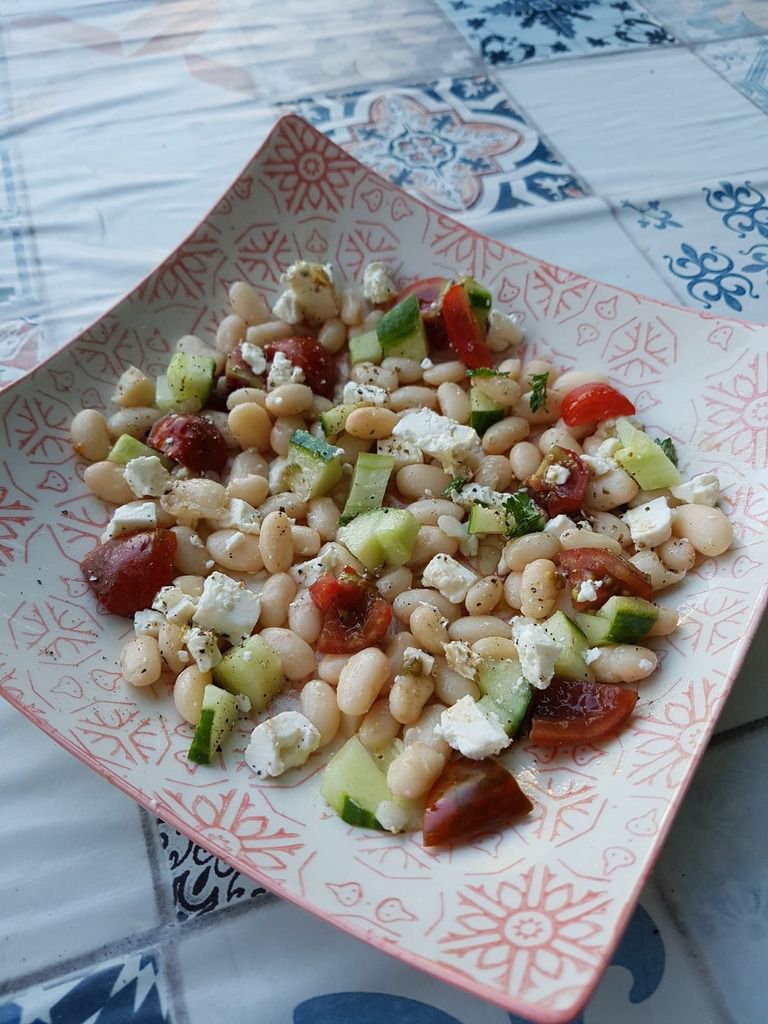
x: 539, y: 390
x: 667, y: 445
x: 487, y: 371
x: 454, y: 486
x: 523, y: 515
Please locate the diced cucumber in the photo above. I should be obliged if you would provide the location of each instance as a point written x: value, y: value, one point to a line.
x: 126, y: 448
x: 382, y: 536
x: 483, y: 519
x: 218, y: 714
x: 505, y: 691
x: 369, y: 482
x: 401, y: 332
x: 570, y: 663
x: 354, y: 785
x: 621, y: 620
x: 313, y: 467
x: 334, y: 421
x: 190, y: 377
x: 480, y: 300
x: 252, y: 668
x: 643, y: 459
x: 365, y: 348
x: 484, y: 411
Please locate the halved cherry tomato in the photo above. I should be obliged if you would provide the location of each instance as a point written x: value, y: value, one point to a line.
x: 239, y: 373
x: 465, y: 336
x: 559, y: 499
x: 317, y: 363
x: 611, y: 573
x: 591, y: 403
x: 127, y: 572
x: 190, y: 440
x: 471, y: 797
x: 569, y: 712
x: 355, y: 615
x: 428, y: 291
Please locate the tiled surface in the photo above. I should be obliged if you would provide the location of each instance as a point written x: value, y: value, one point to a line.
x: 744, y: 63
x: 710, y: 19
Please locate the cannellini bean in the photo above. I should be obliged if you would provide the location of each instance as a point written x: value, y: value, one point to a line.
x: 188, y: 692
x: 428, y: 627
x: 369, y: 373
x: 285, y: 501
x: 431, y: 541
x: 574, y: 379
x: 190, y: 583
x: 333, y: 335
x: 361, y: 681
x: 450, y: 687
x: 678, y: 554
x: 544, y: 416
x: 408, y: 696
x: 522, y: 550
x: 306, y: 541
x: 497, y: 648
x: 494, y: 472
x: 395, y: 650
x: 263, y: 334
x: 230, y: 332
x: 289, y: 400
x: 423, y: 730
x: 191, y: 555
x: 708, y: 529
x: 538, y: 589
x: 488, y: 555
x: 484, y: 595
x: 404, y: 604
x: 370, y: 423
x: 573, y: 537
x: 666, y: 622
x: 323, y: 516
x: 220, y: 420
x: 558, y: 436
x: 502, y: 390
x: 279, y: 590
x: 234, y: 550
x: 372, y: 318
x: 537, y: 366
x: 194, y: 499
x: 276, y: 542
x: 429, y: 510
x: 194, y: 346
x: 305, y: 618
x: 136, y: 421
x: 501, y: 437
x: 408, y: 370
x: 642, y: 497
x: 421, y: 481
x: 512, y: 366
x: 248, y: 463
x: 352, y: 308
x: 415, y: 770
x: 623, y: 663
x: 614, y: 488
x: 454, y: 402
x: 350, y: 724
x: 171, y: 642
x: 280, y: 435
x: 107, y: 481
x: 253, y: 489
x: 453, y: 372
x: 413, y: 397
x: 318, y: 703
x: 140, y: 661
x: 525, y: 459
x: 379, y: 728
x: 474, y: 627
x: 248, y: 304
x: 296, y: 656
x: 330, y: 666
x: 134, y: 388
x: 609, y: 525
x: 251, y: 426
x: 351, y: 447
x: 395, y: 582
x: 661, y: 577
x: 513, y: 585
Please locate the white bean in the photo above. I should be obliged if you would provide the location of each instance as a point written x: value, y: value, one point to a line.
x: 495, y: 472
x: 470, y: 628
x: 188, y: 692
x: 497, y: 648
x: 248, y: 304
x: 525, y: 459
x: 454, y: 402
x: 323, y: 516
x: 414, y: 771
x: 708, y: 529
x: 329, y: 667
x: 538, y: 589
x: 140, y: 661
x: 624, y: 663
x: 305, y: 618
x: 405, y: 603
x: 171, y: 643
x: 276, y: 542
x: 611, y: 526
x: 395, y: 582
x: 289, y: 400
x: 296, y: 656
x: 136, y: 421
x: 484, y: 595
x: 408, y: 370
x: 370, y: 423
x: 513, y: 585
x: 413, y: 397
x: 678, y: 554
x: 240, y: 552
x: 107, y: 481
x: 280, y: 435
x: 501, y: 437
x: 522, y: 550
x: 279, y: 590
x: 427, y: 511
x: 558, y: 436
x: 408, y: 696
x: 361, y: 681
x: 379, y: 728
x: 306, y: 541
x: 333, y: 335
x: 666, y: 622
x: 230, y: 332
x: 450, y: 687
x: 661, y: 577
x: 251, y: 426
x: 573, y: 537
x: 318, y: 703
x: 431, y: 541
x: 423, y: 730
x: 134, y: 388
x: 253, y: 489
x: 614, y: 488
x: 453, y: 372
x: 263, y: 334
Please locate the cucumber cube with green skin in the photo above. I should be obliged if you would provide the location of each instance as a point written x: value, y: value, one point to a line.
x: 484, y: 412
x: 506, y: 691
x: 369, y: 484
x: 190, y: 377
x: 254, y: 669
x: 480, y: 300
x: 594, y: 627
x: 126, y: 448
x: 334, y: 420
x: 218, y: 715
x: 365, y: 348
x: 573, y: 643
x: 621, y: 620
x: 643, y: 459
x: 384, y: 536
x: 483, y: 519
x: 165, y: 399
x: 401, y: 331
x: 313, y: 467
x: 354, y: 786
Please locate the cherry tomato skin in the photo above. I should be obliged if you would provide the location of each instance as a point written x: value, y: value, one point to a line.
x: 465, y: 335
x: 316, y: 362
x: 125, y: 573
x: 471, y: 797
x: 591, y: 403
x: 355, y: 615
x: 569, y: 712
x: 560, y: 499
x: 190, y: 440
x: 238, y: 372
x: 616, y: 576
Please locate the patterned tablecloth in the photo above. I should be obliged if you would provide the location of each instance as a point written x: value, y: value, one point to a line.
x: 628, y: 141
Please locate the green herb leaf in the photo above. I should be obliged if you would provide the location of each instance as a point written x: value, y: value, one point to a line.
x: 667, y: 445
x: 539, y: 390
x: 486, y: 371
x: 454, y: 486
x: 523, y: 515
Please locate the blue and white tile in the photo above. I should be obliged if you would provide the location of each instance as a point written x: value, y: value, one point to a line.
x: 697, y: 20
x: 457, y: 143
x: 710, y: 242
x: 715, y: 873
x: 129, y: 990
x: 744, y: 63
x: 507, y: 32
x: 649, y: 131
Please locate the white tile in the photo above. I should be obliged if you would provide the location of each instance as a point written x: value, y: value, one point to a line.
x: 75, y: 875
x: 604, y: 116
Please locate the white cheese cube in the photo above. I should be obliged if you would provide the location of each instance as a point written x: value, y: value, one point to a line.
x: 285, y: 741
x: 417, y: 662
x: 331, y: 559
x: 588, y: 590
x: 503, y: 332
x: 227, y: 607
x: 597, y: 465
x: 283, y: 371
x: 310, y: 294
x: 650, y: 523
x: 177, y: 606
x: 378, y: 285
x: 556, y: 474
x: 469, y: 543
x: 288, y: 308
x: 449, y: 577
x: 426, y: 363
x: 148, y: 622
x: 367, y: 394
x: 472, y: 494
x: 559, y: 525
x: 591, y: 654
x: 703, y: 489
x: 462, y: 659
x: 536, y: 650
x: 239, y: 515
x: 608, y: 448
x: 254, y: 357
x: 439, y: 437
x: 130, y: 518
x: 202, y: 645
x: 147, y: 476
x: 471, y: 730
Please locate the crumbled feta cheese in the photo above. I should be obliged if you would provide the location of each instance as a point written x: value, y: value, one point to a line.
x: 503, y: 332
x: 227, y: 607
x: 402, y: 452
x: 177, y: 606
x: 591, y: 654
x: 239, y: 515
x: 469, y: 543
x: 202, y: 645
x: 417, y: 662
x: 283, y: 371
x: 559, y: 525
x: 310, y: 294
x: 650, y: 523
x: 282, y: 742
x: 426, y: 363
x: 473, y: 494
x: 391, y: 816
x: 703, y: 489
x: 147, y: 476
x: 536, y: 650
x: 473, y: 731
x: 440, y: 437
x: 608, y: 448
x: 378, y: 286
x: 556, y: 474
x: 331, y: 559
x: 449, y: 577
x: 588, y: 590
x: 597, y: 465
x: 148, y: 622
x: 288, y: 308
x: 131, y: 517
x: 461, y: 658
x: 254, y: 356
x: 367, y: 394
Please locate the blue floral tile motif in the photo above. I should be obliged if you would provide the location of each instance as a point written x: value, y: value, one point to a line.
x: 458, y: 143
x: 744, y: 209
x: 516, y: 31
x: 651, y: 215
x: 711, y: 277
x: 743, y: 63
x: 129, y: 991
x: 699, y: 20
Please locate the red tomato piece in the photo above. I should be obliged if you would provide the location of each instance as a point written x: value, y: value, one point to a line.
x: 316, y: 362
x: 127, y: 572
x: 611, y: 573
x: 190, y: 440
x: 428, y: 291
x: 591, y: 403
x: 559, y: 499
x: 569, y: 712
x: 471, y: 797
x: 239, y: 373
x: 465, y: 336
x: 355, y: 615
